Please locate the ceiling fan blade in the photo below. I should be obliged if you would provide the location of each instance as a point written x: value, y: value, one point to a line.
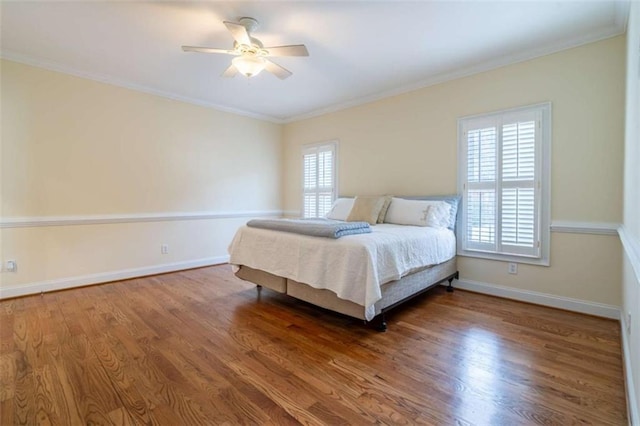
x: 293, y: 50
x: 239, y: 33
x: 277, y: 70
x: 230, y: 72
x: 206, y: 50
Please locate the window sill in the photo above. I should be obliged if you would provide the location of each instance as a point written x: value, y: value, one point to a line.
x: 544, y: 261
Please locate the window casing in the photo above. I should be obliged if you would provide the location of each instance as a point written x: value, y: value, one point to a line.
x: 319, y: 178
x: 504, y: 179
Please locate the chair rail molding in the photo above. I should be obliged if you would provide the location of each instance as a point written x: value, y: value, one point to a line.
x: 575, y: 227
x: 36, y: 221
x: 631, y: 247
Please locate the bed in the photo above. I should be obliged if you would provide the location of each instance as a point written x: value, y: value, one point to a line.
x: 362, y: 276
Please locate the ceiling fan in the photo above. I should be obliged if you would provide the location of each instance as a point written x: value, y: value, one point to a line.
x: 250, y: 53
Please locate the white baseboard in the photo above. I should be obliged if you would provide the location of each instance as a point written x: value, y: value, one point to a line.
x: 123, y: 274
x: 566, y: 303
x: 632, y: 407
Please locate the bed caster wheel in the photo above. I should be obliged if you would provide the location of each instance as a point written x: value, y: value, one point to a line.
x: 381, y: 325
x: 450, y: 287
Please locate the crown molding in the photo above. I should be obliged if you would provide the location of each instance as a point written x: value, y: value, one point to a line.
x: 620, y: 22
x: 502, y: 61
x: 622, y: 11
x: 106, y: 79
x: 39, y: 221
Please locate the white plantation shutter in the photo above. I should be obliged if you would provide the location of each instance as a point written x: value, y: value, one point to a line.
x: 501, y: 176
x: 519, y: 198
x: 481, y: 182
x: 318, y: 166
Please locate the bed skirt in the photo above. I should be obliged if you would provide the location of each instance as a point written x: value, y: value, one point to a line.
x: 393, y: 292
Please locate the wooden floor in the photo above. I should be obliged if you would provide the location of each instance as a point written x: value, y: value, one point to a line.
x: 199, y: 347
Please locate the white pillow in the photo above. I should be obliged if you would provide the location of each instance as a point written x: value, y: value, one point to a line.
x: 341, y: 209
x: 418, y: 213
x: 439, y: 214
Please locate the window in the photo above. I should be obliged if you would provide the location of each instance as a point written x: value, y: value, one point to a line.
x: 319, y: 178
x: 504, y: 181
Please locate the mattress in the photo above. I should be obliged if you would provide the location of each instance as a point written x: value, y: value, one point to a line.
x: 353, y: 267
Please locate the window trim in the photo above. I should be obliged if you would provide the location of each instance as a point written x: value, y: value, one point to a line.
x: 545, y: 190
x: 303, y: 148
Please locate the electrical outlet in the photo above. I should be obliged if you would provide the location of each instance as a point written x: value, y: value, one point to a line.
x: 513, y: 268
x: 164, y: 248
x: 11, y: 266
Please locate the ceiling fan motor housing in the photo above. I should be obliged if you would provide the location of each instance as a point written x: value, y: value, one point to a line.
x: 249, y: 23
x: 256, y: 48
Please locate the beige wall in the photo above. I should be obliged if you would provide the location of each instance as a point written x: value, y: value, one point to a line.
x: 72, y: 147
x: 407, y: 145
x: 631, y: 224
x: 76, y: 147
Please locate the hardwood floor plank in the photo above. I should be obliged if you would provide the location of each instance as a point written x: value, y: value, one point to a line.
x: 204, y: 387
x: 280, y: 393
x: 46, y: 413
x: 276, y: 413
x: 121, y: 416
x: 203, y: 347
x: 8, y: 375
x: 114, y: 360
x: 24, y: 403
x: 90, y: 385
x: 169, y: 388
x: 7, y: 344
x: 6, y: 412
x: 67, y: 404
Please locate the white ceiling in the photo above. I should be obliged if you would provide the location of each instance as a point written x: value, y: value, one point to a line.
x: 359, y: 50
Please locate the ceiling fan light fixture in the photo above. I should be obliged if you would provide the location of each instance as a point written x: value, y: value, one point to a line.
x: 250, y: 52
x: 249, y: 65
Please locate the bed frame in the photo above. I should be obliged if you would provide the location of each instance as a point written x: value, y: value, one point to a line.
x: 394, y: 293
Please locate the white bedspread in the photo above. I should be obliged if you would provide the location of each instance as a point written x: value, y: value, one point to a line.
x: 353, y: 267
